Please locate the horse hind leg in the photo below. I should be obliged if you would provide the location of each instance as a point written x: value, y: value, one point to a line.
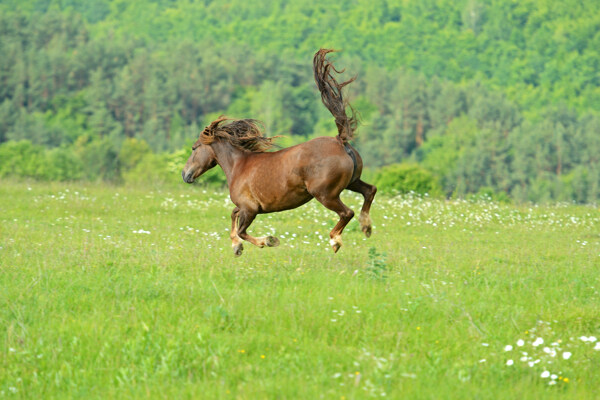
x: 345, y: 213
x: 368, y: 192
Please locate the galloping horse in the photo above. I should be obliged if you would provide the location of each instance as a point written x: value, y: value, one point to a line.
x: 263, y: 182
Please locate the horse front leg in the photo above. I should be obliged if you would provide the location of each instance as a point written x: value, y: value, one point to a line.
x: 236, y: 241
x: 368, y: 192
x: 245, y: 218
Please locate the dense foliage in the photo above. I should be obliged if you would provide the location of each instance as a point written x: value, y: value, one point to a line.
x: 489, y: 94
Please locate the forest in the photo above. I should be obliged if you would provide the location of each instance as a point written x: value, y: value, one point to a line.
x: 461, y: 97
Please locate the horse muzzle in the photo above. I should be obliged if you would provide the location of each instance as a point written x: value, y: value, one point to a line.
x: 189, y: 177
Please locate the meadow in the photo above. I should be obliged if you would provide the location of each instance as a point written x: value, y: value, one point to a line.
x: 133, y: 292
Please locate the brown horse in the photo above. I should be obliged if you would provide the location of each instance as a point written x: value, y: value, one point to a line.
x: 264, y: 182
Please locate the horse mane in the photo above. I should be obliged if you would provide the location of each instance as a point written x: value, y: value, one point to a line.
x: 243, y: 134
x: 331, y: 95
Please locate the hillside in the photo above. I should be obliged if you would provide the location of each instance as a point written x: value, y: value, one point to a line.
x: 496, y: 95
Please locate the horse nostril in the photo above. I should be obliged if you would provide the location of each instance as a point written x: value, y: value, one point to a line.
x: 187, y: 178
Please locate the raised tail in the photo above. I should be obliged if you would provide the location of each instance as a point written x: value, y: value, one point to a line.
x: 331, y: 95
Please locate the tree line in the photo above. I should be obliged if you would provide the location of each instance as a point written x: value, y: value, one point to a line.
x: 482, y: 95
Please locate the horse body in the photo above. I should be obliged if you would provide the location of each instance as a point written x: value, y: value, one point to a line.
x: 264, y: 182
x: 288, y: 178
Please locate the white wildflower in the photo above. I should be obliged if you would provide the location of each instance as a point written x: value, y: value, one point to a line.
x: 545, y: 374
x: 510, y: 362
x: 566, y: 355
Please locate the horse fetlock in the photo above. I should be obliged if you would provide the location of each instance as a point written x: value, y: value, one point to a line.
x: 365, y: 223
x: 336, y: 243
x: 364, y: 218
x: 237, y: 249
x: 272, y: 241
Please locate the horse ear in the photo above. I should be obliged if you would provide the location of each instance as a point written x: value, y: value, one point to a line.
x: 197, y: 144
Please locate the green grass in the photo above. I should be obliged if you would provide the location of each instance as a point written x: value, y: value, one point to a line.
x: 91, y: 309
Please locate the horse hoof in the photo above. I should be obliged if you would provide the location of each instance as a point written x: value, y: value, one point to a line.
x: 237, y: 249
x: 272, y: 241
x: 367, y: 230
x: 336, y: 243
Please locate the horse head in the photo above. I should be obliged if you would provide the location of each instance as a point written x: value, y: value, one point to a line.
x: 203, y: 157
x: 201, y: 160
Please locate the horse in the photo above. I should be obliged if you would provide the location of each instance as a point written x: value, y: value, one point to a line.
x: 262, y: 181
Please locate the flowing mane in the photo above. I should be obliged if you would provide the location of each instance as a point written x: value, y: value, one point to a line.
x: 244, y: 134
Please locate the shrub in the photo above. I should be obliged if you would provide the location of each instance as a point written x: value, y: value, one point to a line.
x: 132, y: 152
x: 21, y: 159
x: 405, y: 178
x: 99, y: 157
x: 151, y: 169
x: 166, y: 168
x: 62, y: 165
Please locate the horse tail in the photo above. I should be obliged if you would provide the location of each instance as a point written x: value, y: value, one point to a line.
x: 331, y: 95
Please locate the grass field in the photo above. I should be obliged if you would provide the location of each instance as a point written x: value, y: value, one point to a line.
x: 116, y: 292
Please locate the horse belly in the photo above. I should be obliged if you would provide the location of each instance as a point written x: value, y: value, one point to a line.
x: 278, y: 193
x: 287, y: 203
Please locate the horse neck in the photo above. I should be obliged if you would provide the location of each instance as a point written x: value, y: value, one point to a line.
x: 228, y: 157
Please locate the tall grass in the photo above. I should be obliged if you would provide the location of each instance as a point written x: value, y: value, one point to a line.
x: 116, y: 292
